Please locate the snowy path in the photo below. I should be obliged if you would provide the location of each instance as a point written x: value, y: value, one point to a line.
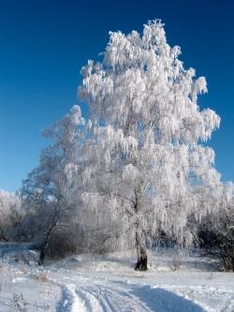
x: 107, y: 296
x: 106, y: 291
x: 100, y: 284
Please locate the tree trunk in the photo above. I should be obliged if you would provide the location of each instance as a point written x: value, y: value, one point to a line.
x: 45, y: 244
x: 42, y: 256
x: 141, y: 253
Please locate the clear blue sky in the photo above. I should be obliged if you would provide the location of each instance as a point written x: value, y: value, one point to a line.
x: 44, y: 43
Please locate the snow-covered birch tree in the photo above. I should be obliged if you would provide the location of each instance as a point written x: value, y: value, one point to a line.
x: 149, y: 133
x: 49, y: 189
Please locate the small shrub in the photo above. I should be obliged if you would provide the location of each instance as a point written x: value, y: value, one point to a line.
x: 176, y: 263
x: 43, y: 278
x: 19, y: 303
x: 60, y: 245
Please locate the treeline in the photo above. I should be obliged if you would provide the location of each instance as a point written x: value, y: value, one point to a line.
x: 49, y: 228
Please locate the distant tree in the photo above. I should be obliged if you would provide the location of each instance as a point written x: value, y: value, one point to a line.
x: 216, y: 229
x: 148, y: 133
x: 10, y: 214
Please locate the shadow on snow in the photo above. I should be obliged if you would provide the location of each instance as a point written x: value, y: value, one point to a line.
x: 161, y: 300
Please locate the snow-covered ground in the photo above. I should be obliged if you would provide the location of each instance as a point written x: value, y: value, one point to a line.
x: 109, y: 283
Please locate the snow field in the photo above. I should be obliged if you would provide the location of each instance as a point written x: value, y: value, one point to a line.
x: 94, y: 283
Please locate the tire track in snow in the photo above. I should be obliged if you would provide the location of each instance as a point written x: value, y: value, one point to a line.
x: 92, y: 303
x: 70, y: 301
x: 100, y: 298
x: 86, y: 295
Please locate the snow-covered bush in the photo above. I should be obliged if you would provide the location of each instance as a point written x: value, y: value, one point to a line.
x: 217, y: 236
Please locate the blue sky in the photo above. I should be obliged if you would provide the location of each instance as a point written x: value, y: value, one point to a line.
x: 44, y: 44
